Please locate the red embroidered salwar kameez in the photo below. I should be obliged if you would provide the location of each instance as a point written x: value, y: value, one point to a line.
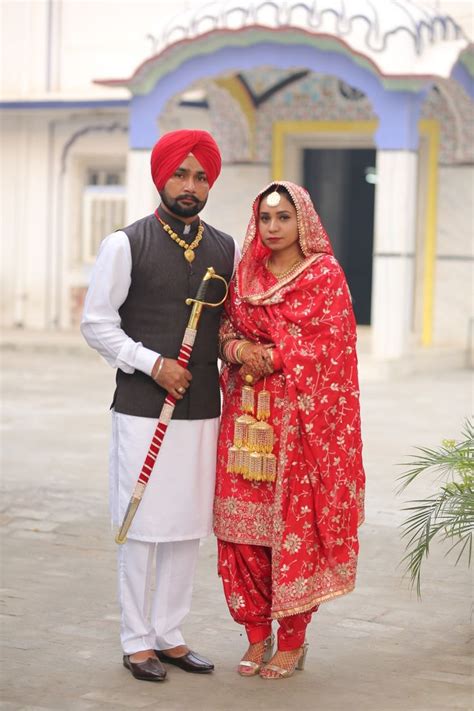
x: 288, y: 545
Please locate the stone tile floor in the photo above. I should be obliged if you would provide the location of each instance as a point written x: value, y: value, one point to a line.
x: 379, y: 649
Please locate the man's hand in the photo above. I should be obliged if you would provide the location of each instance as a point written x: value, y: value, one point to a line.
x: 171, y: 376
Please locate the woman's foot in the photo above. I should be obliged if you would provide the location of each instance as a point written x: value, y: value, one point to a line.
x: 284, y: 663
x: 256, y: 655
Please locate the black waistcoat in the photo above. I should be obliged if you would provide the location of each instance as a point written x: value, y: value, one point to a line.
x: 155, y: 313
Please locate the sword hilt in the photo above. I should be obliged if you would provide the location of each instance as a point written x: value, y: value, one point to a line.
x: 198, y: 302
x: 203, y: 287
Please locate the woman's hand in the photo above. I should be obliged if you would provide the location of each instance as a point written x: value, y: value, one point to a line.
x: 257, y: 361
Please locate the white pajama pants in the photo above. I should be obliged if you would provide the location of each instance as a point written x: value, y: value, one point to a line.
x: 155, y: 584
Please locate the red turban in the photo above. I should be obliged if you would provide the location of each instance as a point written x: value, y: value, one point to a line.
x: 172, y: 148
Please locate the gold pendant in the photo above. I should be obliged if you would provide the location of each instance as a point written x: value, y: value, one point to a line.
x: 189, y: 255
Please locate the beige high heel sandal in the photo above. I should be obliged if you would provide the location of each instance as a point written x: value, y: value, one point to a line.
x: 283, y: 673
x: 254, y: 667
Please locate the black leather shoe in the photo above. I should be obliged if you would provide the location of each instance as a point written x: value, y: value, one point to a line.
x: 149, y: 670
x: 190, y: 662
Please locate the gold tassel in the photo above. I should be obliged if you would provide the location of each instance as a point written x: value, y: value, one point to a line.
x: 251, y: 453
x: 248, y: 399
x: 241, y: 430
x: 269, y: 467
x: 255, y: 467
x: 263, y: 405
x: 242, y: 461
x: 231, y: 460
x: 260, y: 437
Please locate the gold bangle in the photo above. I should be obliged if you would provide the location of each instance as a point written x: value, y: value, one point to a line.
x: 237, y: 353
x: 240, y: 349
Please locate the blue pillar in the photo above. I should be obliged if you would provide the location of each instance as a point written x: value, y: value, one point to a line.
x: 143, y: 131
x: 399, y: 113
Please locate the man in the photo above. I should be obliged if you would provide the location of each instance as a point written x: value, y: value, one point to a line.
x: 135, y: 316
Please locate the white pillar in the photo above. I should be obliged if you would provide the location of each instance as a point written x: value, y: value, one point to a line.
x: 142, y: 197
x: 394, y: 252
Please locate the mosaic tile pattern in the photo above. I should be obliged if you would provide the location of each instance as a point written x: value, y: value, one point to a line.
x: 229, y: 124
x: 318, y: 97
x: 312, y: 98
x: 226, y: 120
x: 453, y: 109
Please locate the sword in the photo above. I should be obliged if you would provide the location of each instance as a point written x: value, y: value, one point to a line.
x: 170, y: 401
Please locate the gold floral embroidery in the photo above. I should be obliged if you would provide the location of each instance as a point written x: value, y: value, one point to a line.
x: 292, y: 543
x: 236, y: 601
x: 247, y: 515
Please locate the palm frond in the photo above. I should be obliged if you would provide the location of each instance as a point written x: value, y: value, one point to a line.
x: 447, y: 460
x: 464, y: 542
x: 448, y: 514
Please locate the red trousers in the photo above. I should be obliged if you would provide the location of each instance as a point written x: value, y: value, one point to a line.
x: 246, y: 573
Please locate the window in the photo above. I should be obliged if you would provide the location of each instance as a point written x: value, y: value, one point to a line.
x: 114, y: 176
x: 103, y: 208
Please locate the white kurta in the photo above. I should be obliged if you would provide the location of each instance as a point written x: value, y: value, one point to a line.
x: 177, y: 504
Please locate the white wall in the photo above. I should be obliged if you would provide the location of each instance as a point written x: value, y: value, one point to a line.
x: 40, y: 219
x: 58, y: 47
x: 25, y: 218
x: 454, y: 266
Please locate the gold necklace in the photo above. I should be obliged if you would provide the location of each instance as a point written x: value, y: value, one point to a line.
x: 286, y: 272
x: 188, y: 248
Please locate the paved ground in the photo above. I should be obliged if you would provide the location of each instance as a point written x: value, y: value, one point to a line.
x: 379, y: 649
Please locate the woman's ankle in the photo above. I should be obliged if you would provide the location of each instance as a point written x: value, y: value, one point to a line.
x: 260, y: 634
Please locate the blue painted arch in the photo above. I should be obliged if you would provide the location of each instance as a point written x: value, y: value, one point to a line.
x: 398, y: 111
x: 461, y: 74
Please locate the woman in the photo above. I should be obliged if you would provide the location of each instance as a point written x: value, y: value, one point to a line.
x: 287, y: 510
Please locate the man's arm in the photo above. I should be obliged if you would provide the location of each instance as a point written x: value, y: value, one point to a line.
x: 100, y: 326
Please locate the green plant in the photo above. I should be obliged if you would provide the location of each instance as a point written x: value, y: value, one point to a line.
x: 448, y: 514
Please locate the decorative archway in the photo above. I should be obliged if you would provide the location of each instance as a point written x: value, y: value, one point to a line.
x: 392, y: 55
x: 385, y: 52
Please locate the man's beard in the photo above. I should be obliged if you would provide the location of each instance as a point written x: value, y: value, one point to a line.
x: 182, y: 210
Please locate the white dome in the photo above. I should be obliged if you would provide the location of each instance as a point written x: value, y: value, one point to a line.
x: 405, y: 42
x: 382, y: 19
x: 401, y: 37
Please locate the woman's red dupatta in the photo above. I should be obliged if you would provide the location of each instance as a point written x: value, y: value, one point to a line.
x: 310, y: 514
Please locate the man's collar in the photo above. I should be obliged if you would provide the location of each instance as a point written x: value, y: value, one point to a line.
x: 175, y: 223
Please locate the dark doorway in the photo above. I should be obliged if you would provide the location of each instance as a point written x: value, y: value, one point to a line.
x: 341, y: 185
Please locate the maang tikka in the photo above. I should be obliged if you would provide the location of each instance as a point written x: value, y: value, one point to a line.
x: 273, y: 199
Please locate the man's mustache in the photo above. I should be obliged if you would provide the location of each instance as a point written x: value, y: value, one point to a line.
x: 187, y: 197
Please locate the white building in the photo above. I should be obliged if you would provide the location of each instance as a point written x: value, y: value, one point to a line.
x: 369, y: 104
